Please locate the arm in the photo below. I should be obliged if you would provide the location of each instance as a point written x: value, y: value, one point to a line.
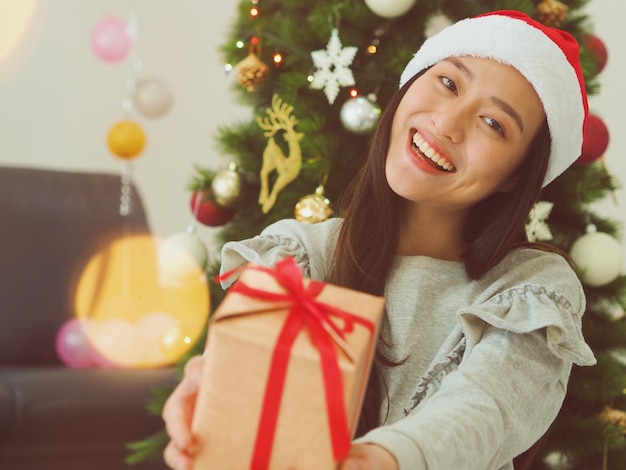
x: 501, y: 399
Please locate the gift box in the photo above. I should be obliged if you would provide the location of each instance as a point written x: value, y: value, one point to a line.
x: 287, y: 362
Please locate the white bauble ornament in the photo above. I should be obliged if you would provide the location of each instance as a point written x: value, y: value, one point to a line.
x: 152, y: 97
x: 360, y: 115
x: 598, y: 257
x: 226, y: 186
x: 390, y: 8
x: 182, y: 256
x: 436, y: 23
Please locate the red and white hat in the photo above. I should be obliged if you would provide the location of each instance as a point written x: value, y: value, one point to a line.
x: 547, y: 57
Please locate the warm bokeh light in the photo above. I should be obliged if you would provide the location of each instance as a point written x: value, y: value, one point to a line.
x: 137, y: 315
x: 15, y: 19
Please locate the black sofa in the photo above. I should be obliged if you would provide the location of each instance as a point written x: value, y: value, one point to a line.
x: 52, y: 416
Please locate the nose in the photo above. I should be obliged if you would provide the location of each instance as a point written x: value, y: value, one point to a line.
x: 451, y: 122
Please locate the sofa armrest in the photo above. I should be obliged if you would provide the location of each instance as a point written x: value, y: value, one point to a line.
x: 52, y: 222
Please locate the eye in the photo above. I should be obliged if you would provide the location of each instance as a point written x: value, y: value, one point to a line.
x: 449, y: 84
x: 495, y: 125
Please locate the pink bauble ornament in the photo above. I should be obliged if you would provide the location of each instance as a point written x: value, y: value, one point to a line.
x: 73, y: 346
x: 110, y: 40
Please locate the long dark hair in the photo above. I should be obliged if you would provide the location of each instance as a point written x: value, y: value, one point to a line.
x: 373, y: 213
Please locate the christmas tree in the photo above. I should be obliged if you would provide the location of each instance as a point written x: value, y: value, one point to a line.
x: 316, y: 76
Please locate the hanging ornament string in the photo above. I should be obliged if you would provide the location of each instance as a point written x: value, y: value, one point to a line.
x: 126, y: 139
x: 134, y: 64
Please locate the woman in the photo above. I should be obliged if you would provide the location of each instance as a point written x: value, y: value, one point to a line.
x: 481, y: 328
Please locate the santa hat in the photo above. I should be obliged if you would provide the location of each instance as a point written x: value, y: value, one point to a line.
x: 547, y: 57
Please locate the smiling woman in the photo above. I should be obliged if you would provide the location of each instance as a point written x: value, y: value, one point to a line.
x: 15, y: 21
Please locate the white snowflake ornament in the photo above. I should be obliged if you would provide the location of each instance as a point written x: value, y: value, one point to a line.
x: 333, y: 67
x: 536, y: 227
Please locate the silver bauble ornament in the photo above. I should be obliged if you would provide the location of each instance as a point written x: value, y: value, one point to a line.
x: 226, y: 186
x: 598, y: 257
x: 360, y: 115
x: 390, y: 8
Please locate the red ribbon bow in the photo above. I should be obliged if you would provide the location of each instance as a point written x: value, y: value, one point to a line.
x: 304, y: 310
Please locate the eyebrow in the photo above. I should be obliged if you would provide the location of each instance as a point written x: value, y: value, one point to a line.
x: 503, y: 105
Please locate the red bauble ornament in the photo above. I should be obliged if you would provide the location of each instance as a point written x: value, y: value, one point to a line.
x: 207, y: 211
x: 596, y: 46
x: 595, y: 140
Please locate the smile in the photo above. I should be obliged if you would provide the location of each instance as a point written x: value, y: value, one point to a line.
x: 423, y: 149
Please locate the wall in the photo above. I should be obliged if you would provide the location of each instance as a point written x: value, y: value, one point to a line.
x: 58, y: 100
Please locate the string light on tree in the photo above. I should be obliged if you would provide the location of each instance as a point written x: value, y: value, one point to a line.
x: 278, y: 59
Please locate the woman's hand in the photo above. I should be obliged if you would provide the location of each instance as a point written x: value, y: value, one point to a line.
x: 369, y: 457
x: 178, y: 413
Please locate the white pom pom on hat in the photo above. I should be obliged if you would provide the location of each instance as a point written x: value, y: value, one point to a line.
x: 547, y: 57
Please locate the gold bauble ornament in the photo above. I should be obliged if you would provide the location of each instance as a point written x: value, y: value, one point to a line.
x: 226, y: 186
x: 552, y: 13
x: 313, y: 208
x: 126, y: 139
x: 252, y: 71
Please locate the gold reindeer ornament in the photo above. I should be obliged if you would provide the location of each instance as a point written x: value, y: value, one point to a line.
x: 279, y: 118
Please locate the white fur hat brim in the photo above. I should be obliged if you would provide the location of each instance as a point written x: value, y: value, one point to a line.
x: 536, y: 56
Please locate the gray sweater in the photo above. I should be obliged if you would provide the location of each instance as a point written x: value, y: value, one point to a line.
x: 488, y: 360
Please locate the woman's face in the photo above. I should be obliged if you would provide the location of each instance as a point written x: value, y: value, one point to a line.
x: 460, y: 132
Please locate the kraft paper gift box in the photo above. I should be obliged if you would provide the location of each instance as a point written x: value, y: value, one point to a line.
x: 287, y: 362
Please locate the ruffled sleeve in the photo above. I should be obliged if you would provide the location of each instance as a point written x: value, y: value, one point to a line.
x: 529, y: 308
x: 310, y: 245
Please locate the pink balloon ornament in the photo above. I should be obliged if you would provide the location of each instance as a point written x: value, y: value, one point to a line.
x: 110, y: 40
x: 74, y: 347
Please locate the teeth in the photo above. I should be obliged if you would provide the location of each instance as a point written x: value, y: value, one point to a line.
x: 430, y: 152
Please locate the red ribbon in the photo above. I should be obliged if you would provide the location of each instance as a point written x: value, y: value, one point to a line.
x: 304, y: 310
